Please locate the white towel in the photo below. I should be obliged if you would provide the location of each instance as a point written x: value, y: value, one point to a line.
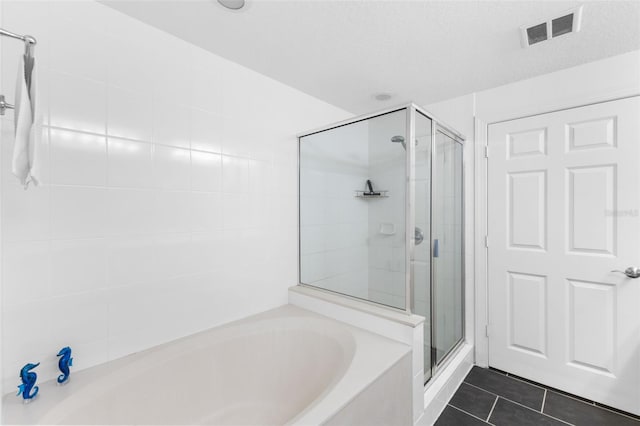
x: 26, y: 156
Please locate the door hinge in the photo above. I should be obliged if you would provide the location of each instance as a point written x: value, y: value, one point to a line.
x: 486, y: 330
x: 486, y: 151
x: 486, y: 241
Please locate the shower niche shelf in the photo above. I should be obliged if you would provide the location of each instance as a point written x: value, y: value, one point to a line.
x: 371, y: 195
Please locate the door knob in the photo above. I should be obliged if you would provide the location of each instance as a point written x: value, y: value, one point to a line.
x: 418, y: 235
x: 631, y: 272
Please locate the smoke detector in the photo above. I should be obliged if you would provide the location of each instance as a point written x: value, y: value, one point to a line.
x: 566, y: 22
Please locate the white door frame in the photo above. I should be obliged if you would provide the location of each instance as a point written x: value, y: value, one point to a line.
x: 480, y: 269
x: 481, y: 129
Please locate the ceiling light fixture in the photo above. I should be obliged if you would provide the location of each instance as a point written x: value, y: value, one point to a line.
x: 232, y: 4
x: 382, y: 97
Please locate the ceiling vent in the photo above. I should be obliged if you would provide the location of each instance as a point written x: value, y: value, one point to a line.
x: 564, y: 23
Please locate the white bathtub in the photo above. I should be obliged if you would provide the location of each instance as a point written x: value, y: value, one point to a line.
x: 284, y: 366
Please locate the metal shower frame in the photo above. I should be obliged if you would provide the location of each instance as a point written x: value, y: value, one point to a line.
x: 410, y: 174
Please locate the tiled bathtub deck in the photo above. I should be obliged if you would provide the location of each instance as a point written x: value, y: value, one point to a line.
x: 491, y: 397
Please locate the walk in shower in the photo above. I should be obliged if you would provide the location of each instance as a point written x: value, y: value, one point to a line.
x: 381, y: 218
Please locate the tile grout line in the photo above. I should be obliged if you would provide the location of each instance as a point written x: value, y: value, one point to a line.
x: 568, y: 395
x: 523, y: 380
x: 517, y: 403
x: 535, y: 411
x: 482, y: 389
x: 492, y: 407
x: 544, y: 399
x: 467, y: 413
x: 145, y: 141
x: 594, y: 404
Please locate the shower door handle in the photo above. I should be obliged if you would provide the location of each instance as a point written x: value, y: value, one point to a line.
x: 436, y: 248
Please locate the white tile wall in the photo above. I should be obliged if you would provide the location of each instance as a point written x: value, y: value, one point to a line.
x: 342, y: 247
x: 387, y: 254
x: 387, y: 170
x: 333, y: 222
x: 169, y: 203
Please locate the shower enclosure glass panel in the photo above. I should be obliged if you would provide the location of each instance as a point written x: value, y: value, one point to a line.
x: 447, y: 256
x: 381, y: 219
x: 352, y: 209
x: 421, y: 259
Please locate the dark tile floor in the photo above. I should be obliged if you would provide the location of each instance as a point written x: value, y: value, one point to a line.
x: 491, y: 397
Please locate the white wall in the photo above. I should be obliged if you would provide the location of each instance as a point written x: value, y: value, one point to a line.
x: 169, y: 202
x: 598, y: 81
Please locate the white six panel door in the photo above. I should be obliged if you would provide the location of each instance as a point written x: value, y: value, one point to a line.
x: 564, y: 210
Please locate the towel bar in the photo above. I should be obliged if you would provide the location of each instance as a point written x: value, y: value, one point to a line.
x: 4, y: 106
x: 29, y: 41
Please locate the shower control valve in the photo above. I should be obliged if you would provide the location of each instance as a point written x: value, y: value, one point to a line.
x: 419, y: 235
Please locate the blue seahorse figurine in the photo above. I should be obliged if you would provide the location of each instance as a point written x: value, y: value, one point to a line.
x: 28, y: 381
x: 64, y: 363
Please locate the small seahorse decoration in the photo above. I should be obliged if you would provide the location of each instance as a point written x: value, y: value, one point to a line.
x: 64, y: 363
x: 28, y: 381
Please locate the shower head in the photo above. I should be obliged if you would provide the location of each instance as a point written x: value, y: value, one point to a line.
x: 399, y: 139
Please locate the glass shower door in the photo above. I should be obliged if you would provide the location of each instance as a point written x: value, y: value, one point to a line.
x: 421, y: 258
x: 447, y: 246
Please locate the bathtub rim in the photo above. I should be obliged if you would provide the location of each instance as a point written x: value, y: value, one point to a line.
x: 337, y: 394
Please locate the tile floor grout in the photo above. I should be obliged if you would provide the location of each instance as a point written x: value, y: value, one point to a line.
x: 467, y: 413
x: 536, y: 411
x: 614, y: 411
x: 563, y: 393
x: 597, y: 405
x: 506, y: 399
x: 539, y: 412
x: 521, y: 380
x: 482, y: 389
x: 492, y: 407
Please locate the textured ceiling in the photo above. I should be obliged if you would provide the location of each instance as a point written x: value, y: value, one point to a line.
x: 344, y: 52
